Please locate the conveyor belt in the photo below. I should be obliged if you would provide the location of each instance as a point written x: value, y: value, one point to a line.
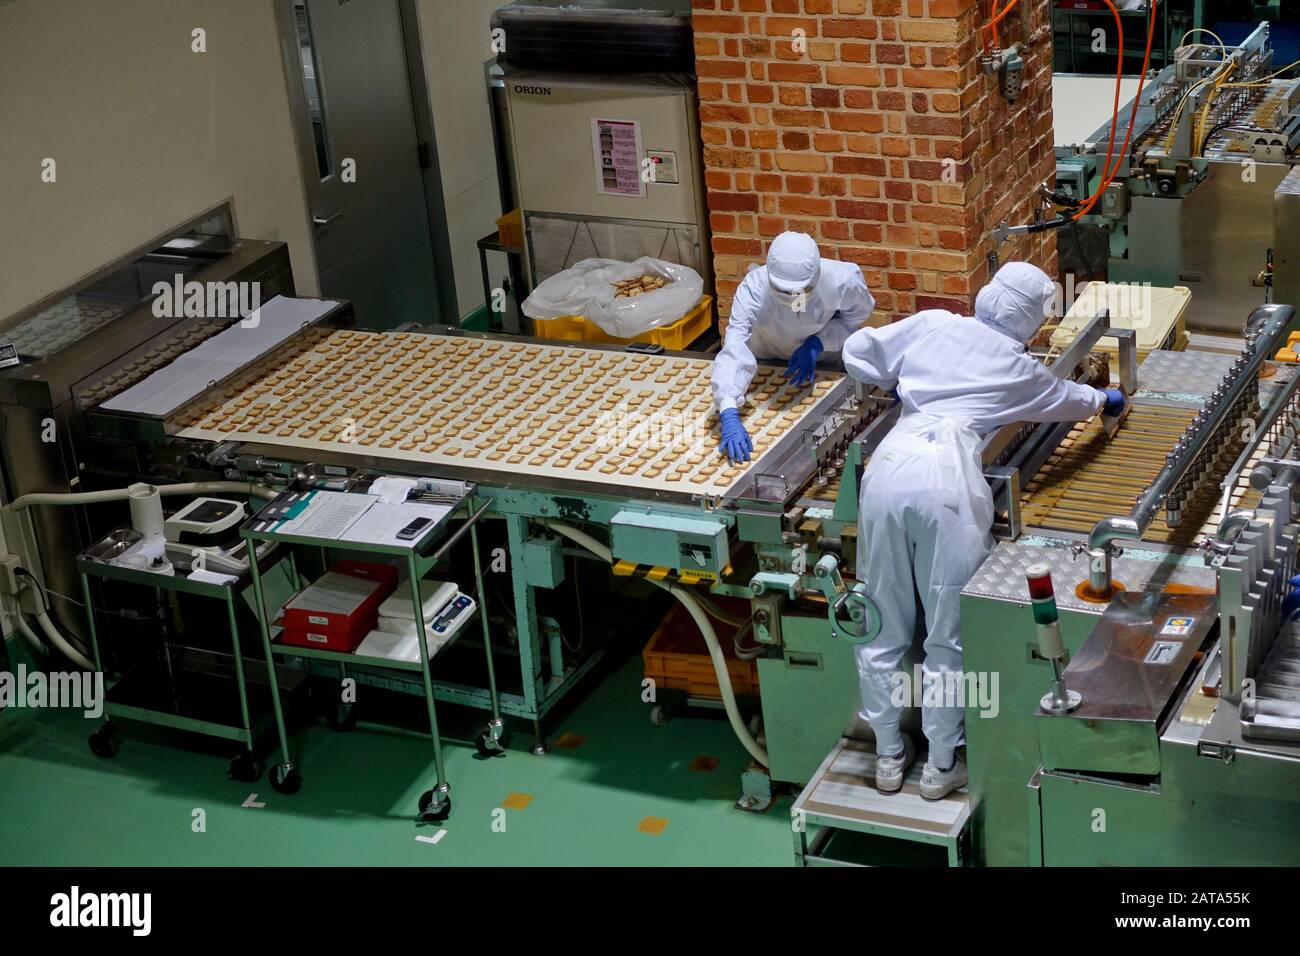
x: 1091, y: 477
x: 550, y: 411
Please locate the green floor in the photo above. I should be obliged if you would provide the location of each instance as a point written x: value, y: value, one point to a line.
x: 626, y: 794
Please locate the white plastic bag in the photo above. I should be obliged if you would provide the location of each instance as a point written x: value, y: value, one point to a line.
x: 588, y: 290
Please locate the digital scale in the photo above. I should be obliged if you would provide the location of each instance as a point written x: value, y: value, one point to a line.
x: 445, y: 610
x: 205, y: 533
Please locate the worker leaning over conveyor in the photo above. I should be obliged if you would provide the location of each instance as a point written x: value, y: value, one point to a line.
x: 797, y: 307
x: 926, y: 509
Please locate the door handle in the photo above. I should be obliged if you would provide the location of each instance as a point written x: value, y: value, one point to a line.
x: 326, y: 220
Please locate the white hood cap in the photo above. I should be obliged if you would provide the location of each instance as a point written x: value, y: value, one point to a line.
x: 793, y: 262
x: 1016, y: 301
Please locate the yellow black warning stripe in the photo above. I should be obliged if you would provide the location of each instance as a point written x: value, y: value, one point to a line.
x: 629, y: 569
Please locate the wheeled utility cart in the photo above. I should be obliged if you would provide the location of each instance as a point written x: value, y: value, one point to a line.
x: 172, y: 695
x: 418, y: 555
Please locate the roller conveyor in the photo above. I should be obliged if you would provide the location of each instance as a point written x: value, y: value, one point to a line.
x: 1091, y: 476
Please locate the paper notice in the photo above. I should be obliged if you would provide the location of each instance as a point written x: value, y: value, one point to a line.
x: 617, y: 148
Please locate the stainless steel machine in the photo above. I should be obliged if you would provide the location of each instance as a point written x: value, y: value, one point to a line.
x: 1180, y: 748
x: 1215, y: 134
x: 84, y: 344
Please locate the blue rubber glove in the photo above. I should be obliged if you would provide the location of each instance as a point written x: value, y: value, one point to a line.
x: 735, y: 440
x: 803, y: 363
x: 1116, y: 402
x: 1291, y: 603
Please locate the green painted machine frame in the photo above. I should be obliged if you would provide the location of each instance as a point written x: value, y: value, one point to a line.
x: 247, y: 726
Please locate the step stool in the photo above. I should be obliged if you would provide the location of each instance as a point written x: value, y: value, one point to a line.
x: 842, y: 796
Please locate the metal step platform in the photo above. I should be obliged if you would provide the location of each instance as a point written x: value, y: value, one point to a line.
x: 841, y: 796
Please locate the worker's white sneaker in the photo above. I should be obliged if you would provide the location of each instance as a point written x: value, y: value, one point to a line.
x: 936, y: 783
x: 890, y: 771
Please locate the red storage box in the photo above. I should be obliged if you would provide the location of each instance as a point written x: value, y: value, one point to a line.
x: 343, y: 641
x: 371, y: 571
x: 338, y: 609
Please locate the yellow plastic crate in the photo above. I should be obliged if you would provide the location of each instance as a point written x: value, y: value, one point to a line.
x: 1291, y: 351
x: 1158, y: 312
x: 574, y: 328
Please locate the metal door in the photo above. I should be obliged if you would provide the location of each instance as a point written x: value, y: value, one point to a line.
x: 369, y: 162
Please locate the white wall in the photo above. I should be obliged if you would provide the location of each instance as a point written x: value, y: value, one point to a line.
x: 145, y: 132
x: 457, y: 42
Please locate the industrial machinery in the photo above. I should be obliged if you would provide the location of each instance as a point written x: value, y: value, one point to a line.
x: 79, y: 347
x: 1206, y: 455
x: 605, y: 132
x: 1192, y: 204
x: 301, y: 409
x: 1172, y: 739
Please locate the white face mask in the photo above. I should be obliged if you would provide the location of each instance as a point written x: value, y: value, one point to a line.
x: 796, y: 302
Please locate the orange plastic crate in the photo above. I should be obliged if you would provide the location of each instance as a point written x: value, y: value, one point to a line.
x: 510, y: 229
x: 677, y: 658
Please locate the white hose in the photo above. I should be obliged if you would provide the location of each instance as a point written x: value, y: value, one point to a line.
x: 701, y: 619
x: 26, y: 631
x: 121, y: 494
x: 718, y: 614
x: 59, y: 641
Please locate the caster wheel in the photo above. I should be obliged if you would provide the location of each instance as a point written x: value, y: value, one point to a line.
x: 342, y: 717
x: 287, y: 781
x: 756, y: 724
x: 244, y: 768
x: 429, y: 811
x: 487, y: 746
x: 659, y: 715
x: 103, y: 742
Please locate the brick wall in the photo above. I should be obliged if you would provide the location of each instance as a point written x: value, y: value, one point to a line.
x: 875, y: 132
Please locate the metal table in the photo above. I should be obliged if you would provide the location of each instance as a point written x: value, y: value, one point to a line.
x: 493, y: 243
x: 200, y: 716
x: 420, y: 558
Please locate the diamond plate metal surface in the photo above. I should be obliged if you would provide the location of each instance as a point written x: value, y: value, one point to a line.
x: 1002, y: 575
x: 1188, y: 378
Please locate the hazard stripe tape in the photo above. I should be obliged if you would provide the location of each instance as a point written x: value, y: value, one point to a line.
x: 629, y: 569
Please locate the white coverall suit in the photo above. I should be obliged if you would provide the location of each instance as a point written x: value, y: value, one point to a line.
x: 762, y: 327
x: 926, y: 511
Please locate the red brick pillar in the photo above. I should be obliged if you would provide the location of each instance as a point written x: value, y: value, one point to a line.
x: 874, y: 131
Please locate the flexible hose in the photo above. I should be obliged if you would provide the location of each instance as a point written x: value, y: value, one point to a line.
x: 718, y: 614
x: 120, y: 494
x: 59, y: 641
x: 697, y: 613
x: 747, y: 653
x: 26, y: 631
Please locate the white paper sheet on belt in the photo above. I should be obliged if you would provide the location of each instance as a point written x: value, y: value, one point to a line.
x: 553, y: 411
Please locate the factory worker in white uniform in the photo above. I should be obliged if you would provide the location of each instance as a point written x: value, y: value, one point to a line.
x: 926, y: 510
x: 797, y: 307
